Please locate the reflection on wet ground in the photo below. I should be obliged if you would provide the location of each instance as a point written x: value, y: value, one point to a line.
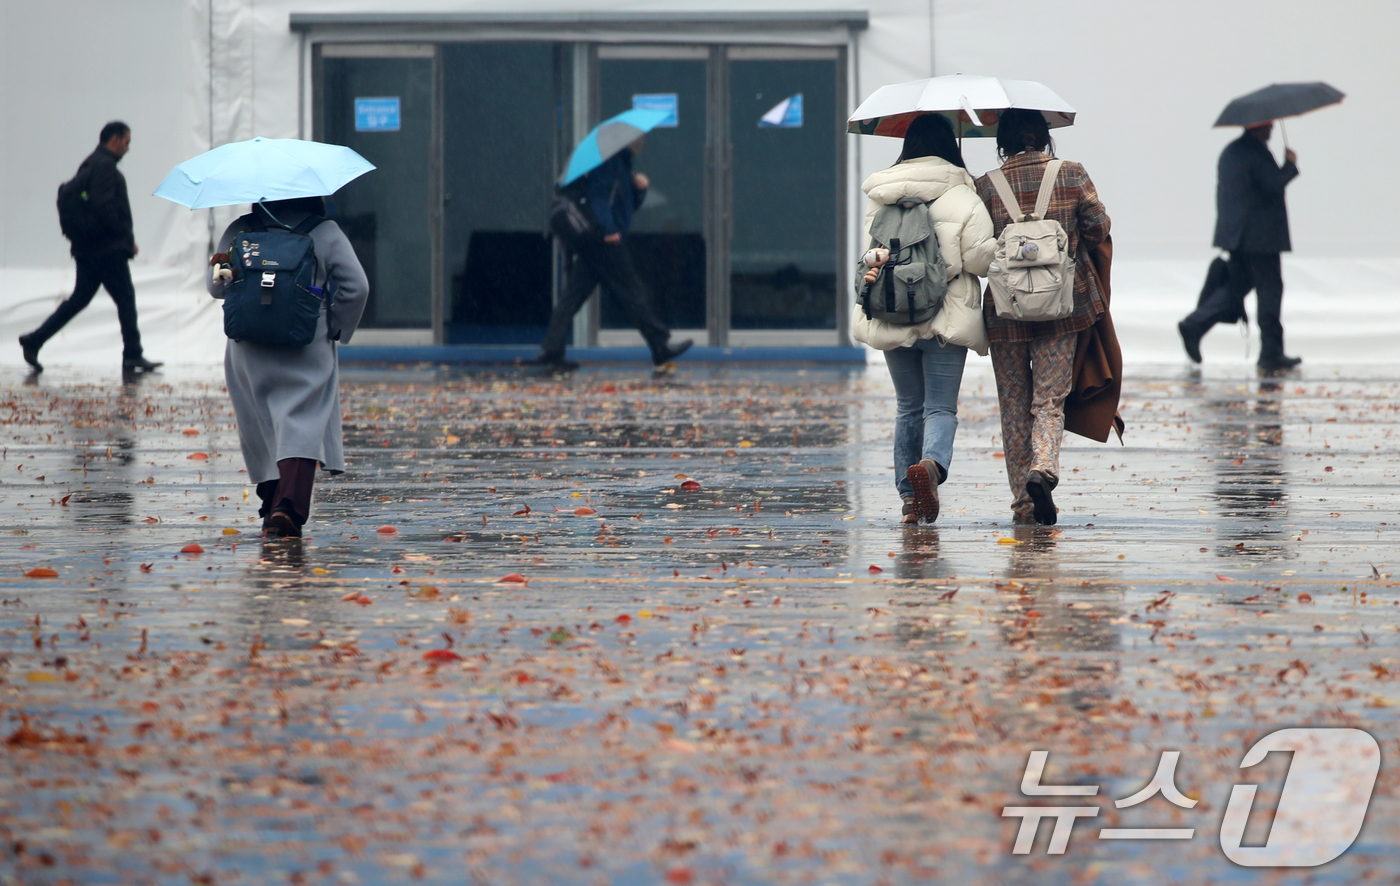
x: 725, y: 660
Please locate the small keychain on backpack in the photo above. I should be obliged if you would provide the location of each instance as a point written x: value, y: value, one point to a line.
x: 223, y: 270
x: 875, y: 259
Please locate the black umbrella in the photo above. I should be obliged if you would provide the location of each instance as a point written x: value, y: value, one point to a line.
x: 1278, y: 100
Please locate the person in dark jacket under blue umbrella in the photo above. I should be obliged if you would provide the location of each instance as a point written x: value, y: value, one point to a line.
x: 601, y: 257
x: 1252, y: 225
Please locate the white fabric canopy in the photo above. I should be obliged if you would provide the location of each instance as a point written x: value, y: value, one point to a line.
x: 1144, y: 106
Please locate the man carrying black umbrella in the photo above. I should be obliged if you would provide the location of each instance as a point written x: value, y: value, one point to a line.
x: 1252, y: 224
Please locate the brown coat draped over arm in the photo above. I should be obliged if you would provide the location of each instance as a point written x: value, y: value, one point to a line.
x: 1091, y: 409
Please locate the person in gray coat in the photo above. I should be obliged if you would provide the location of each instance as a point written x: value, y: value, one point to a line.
x: 287, y: 400
x: 1252, y: 225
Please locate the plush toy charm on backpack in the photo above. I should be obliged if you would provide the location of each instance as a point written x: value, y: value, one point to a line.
x: 1032, y: 276
x: 271, y: 298
x: 902, y: 278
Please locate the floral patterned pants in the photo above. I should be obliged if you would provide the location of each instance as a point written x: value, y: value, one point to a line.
x: 1033, y: 380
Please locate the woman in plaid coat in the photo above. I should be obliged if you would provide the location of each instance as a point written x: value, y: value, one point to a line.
x: 1034, y: 360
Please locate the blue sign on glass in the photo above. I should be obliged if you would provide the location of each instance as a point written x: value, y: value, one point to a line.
x: 786, y: 114
x: 377, y: 114
x: 660, y: 101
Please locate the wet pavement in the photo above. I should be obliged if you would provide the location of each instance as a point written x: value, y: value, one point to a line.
x: 613, y: 630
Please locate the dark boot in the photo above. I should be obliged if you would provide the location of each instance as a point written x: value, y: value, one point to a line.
x: 1038, y: 487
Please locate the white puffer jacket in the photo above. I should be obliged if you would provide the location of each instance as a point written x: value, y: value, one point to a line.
x: 964, y: 237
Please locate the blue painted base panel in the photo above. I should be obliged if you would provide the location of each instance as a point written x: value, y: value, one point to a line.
x: 512, y: 354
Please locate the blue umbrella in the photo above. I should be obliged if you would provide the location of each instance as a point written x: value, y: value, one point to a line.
x: 262, y: 169
x: 609, y: 137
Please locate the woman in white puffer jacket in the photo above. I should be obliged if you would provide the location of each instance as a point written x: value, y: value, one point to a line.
x: 926, y: 360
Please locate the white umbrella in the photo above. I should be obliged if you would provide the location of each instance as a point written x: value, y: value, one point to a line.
x: 973, y: 104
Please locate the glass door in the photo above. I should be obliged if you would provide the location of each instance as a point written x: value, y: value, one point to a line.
x: 786, y: 169
x: 668, y: 239
x: 505, y: 140
x: 379, y: 100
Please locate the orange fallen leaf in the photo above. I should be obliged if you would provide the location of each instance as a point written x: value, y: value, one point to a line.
x: 1305, y: 597
x: 730, y: 452
x: 151, y: 520
x: 876, y: 569
x: 1031, y: 613
x: 441, y: 655
x: 522, y: 512
x: 623, y: 619
x: 690, y: 485
x: 146, y: 567
x: 386, y: 529
x: 363, y: 600
x: 198, y: 456
x: 192, y: 548
x: 515, y: 578
x: 42, y: 572
x: 583, y: 512
x: 353, y: 595
x: 1223, y: 578
x: 190, y: 432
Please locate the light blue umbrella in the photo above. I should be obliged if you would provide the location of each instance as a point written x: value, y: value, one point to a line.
x: 262, y: 169
x: 609, y: 137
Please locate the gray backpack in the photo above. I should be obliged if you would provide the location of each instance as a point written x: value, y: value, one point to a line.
x: 912, y: 284
x: 1032, y: 274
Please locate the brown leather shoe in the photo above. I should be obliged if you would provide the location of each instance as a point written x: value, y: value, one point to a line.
x: 283, y: 524
x: 923, y: 477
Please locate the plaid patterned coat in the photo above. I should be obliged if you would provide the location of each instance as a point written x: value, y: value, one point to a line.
x: 1075, y: 205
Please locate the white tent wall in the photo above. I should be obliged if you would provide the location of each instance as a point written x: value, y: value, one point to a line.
x: 1147, y: 78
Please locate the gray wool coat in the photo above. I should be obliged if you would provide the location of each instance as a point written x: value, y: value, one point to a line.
x: 287, y: 400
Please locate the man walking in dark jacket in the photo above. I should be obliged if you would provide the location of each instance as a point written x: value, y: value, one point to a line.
x: 102, y: 252
x: 601, y: 257
x: 1252, y: 224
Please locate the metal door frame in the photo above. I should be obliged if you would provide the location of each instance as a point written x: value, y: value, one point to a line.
x: 719, y: 183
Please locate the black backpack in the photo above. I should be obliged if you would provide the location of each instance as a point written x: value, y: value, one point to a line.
x: 271, y: 299
x: 75, y: 216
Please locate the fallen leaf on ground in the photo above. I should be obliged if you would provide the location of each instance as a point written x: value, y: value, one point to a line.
x: 583, y: 512
x: 441, y: 655
x: 514, y: 577
x: 198, y: 456
x: 387, y: 529
x: 42, y: 572
x: 192, y: 548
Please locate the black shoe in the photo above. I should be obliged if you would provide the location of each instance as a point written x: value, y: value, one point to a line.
x: 31, y: 353
x: 1038, y: 487
x: 671, y: 352
x: 140, y: 364
x: 556, y: 365
x: 1279, y: 364
x: 282, y: 525
x: 1192, y: 343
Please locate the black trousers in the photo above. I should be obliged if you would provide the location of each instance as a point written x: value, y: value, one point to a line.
x: 113, y: 272
x: 610, y: 265
x: 1262, y: 272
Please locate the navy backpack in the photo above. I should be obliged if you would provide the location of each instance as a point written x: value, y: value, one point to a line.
x: 271, y: 299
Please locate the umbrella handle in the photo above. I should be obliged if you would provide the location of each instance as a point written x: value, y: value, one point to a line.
x: 1283, y: 131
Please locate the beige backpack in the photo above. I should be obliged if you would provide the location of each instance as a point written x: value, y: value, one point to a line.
x: 1032, y: 274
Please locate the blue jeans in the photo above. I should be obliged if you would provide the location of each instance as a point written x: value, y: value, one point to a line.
x: 926, y: 380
